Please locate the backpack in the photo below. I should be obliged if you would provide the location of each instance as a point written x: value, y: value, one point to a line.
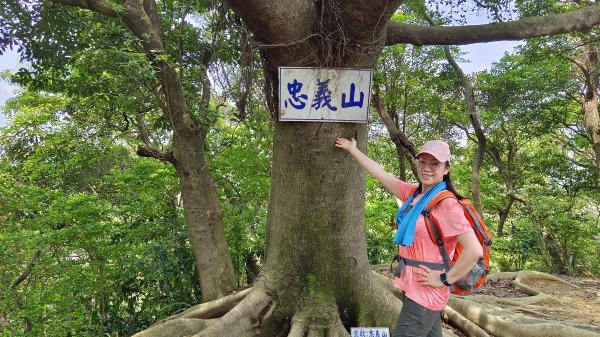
x: 477, y: 275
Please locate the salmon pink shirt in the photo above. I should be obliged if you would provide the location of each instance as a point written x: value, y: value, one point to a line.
x: 452, y: 221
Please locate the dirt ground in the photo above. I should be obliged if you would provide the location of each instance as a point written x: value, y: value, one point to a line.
x: 577, y: 302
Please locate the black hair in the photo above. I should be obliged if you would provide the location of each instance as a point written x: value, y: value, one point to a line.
x: 449, y: 185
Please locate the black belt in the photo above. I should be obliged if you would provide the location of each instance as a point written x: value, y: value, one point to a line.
x: 402, y: 262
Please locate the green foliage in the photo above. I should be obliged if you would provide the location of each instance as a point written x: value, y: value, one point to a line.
x: 92, y: 242
x: 380, y: 209
x: 520, y: 250
x: 381, y: 206
x: 239, y: 157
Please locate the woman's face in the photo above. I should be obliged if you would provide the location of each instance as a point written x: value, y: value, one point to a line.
x: 431, y: 171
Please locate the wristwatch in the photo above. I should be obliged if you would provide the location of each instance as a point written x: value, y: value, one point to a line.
x: 444, y: 279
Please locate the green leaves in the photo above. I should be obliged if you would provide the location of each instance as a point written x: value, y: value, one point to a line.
x: 91, y: 237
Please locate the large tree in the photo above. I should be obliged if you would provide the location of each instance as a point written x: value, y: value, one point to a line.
x: 134, y: 47
x: 316, y: 280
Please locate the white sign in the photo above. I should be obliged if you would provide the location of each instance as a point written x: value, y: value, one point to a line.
x: 324, y: 95
x: 370, y: 332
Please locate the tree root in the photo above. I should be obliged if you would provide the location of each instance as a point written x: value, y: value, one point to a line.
x: 505, y: 323
x: 521, y: 302
x: 467, y: 327
x: 524, y: 279
x: 246, y: 318
x: 178, y: 327
x: 379, y: 304
x: 212, y: 309
x: 298, y: 328
x: 333, y: 328
x: 338, y: 329
x: 240, y: 314
x: 488, y: 311
x: 387, y: 283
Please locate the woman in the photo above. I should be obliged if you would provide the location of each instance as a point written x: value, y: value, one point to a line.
x: 426, y: 291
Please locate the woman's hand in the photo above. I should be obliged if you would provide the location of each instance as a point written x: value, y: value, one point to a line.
x: 345, y: 144
x: 429, y: 277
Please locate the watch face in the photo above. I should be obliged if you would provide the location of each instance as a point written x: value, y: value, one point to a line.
x: 444, y: 279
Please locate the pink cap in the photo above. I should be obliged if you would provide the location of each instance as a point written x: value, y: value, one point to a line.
x: 437, y: 148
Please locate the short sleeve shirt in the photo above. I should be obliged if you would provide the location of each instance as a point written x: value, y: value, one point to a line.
x: 452, y: 221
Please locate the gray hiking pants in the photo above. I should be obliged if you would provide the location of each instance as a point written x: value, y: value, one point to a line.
x: 417, y: 321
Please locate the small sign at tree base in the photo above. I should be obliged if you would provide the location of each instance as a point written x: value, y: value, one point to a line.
x: 369, y: 332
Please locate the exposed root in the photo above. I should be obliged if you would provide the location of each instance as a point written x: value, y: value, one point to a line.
x: 526, y: 281
x: 387, y: 283
x: 521, y: 302
x: 379, y: 305
x: 249, y: 313
x: 178, y: 327
x: 503, y: 303
x: 505, y: 323
x: 214, y: 309
x: 314, y: 331
x: 332, y: 326
x: 246, y: 318
x: 502, y: 275
x: 298, y: 328
x: 467, y: 327
x: 338, y: 330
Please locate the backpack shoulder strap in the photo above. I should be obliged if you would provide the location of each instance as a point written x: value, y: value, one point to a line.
x: 445, y: 194
x: 477, y: 221
x: 433, y: 228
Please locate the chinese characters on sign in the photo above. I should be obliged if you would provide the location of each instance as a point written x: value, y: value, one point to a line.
x: 324, y: 95
x: 369, y: 332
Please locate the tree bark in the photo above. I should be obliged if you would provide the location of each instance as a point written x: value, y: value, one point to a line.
x: 577, y: 21
x: 589, y: 68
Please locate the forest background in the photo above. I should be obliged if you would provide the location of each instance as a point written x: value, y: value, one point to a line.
x: 93, y: 239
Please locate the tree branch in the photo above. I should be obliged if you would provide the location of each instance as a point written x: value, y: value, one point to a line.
x: 27, y: 271
x: 518, y: 197
x: 397, y: 136
x: 102, y: 7
x: 581, y: 20
x: 166, y: 157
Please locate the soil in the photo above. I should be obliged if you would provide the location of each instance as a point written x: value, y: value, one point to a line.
x: 499, y: 288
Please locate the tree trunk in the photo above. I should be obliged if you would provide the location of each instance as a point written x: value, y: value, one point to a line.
x: 556, y: 263
x: 202, y: 210
x: 503, y: 215
x: 201, y: 207
x: 590, y: 102
x: 316, y: 274
x: 316, y: 253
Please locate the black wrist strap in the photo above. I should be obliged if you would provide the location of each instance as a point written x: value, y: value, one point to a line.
x: 444, y: 280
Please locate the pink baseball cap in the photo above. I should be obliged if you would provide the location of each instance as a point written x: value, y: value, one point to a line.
x: 437, y: 148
